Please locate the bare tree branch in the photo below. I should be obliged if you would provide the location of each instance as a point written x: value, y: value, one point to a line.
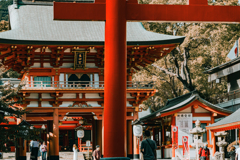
x: 165, y: 70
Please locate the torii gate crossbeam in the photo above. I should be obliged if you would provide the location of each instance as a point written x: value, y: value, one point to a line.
x: 116, y: 13
x: 195, y: 12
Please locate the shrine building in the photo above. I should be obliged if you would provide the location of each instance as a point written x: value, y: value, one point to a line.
x: 183, y: 112
x: 62, y: 65
x: 229, y: 73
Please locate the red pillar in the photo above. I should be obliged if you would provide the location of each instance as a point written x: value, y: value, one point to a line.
x: 22, y: 148
x: 115, y: 79
x: 213, y: 143
x: 135, y: 141
x: 129, y: 138
x: 54, y: 137
x: 173, y: 148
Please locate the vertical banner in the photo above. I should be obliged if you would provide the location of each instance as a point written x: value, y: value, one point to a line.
x: 80, y: 59
x: 186, y: 153
x: 175, y: 137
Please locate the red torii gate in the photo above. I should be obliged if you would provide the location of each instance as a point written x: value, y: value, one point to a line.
x: 116, y: 13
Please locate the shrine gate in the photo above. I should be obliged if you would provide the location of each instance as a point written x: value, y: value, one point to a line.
x: 115, y: 13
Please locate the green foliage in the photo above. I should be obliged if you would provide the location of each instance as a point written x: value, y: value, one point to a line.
x: 10, y: 105
x: 206, y: 45
x: 4, y: 9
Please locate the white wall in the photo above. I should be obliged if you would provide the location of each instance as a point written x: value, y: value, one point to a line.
x: 36, y: 65
x: 92, y: 95
x: 68, y: 95
x: 201, y: 110
x: 33, y: 104
x: 45, y: 104
x: 143, y: 113
x: 47, y: 65
x: 46, y: 95
x: 33, y: 96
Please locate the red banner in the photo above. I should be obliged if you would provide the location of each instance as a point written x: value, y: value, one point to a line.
x: 185, y: 144
x: 175, y: 137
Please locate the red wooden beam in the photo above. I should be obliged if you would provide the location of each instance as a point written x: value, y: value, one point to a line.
x: 149, y: 12
x: 183, y: 13
x: 71, y: 11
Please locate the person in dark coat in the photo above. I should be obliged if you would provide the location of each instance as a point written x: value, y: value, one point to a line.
x: 232, y: 153
x: 148, y: 147
x: 35, y: 149
x: 96, y: 153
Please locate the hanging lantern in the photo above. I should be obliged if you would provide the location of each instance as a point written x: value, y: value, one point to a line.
x: 80, y: 131
x: 137, y: 128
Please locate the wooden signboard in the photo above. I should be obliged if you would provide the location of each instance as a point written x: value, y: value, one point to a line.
x: 80, y: 59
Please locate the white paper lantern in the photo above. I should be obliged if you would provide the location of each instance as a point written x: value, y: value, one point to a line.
x: 80, y: 133
x: 137, y: 130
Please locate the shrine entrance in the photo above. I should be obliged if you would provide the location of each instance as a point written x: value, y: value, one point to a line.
x: 75, y: 79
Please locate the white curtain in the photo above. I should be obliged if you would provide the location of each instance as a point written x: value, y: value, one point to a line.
x: 238, y: 82
x: 228, y: 86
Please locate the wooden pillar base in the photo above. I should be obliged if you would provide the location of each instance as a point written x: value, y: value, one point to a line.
x: 130, y: 156
x: 53, y: 158
x: 116, y: 158
x: 136, y: 156
x: 21, y: 158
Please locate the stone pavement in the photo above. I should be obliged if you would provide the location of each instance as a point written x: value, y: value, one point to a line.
x: 62, y: 155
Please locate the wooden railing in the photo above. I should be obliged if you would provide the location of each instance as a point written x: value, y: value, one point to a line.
x: 227, y: 96
x: 82, y: 85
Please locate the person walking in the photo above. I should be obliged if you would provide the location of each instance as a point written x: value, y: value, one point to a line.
x: 31, y: 145
x: 75, y: 152
x: 39, y: 152
x: 232, y: 153
x: 148, y: 147
x: 43, y: 148
x: 204, y: 153
x: 238, y: 153
x: 35, y: 148
x: 96, y: 153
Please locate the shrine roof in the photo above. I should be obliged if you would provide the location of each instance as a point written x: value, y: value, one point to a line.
x: 230, y: 122
x: 34, y: 24
x: 181, y: 101
x: 223, y: 69
x: 223, y: 66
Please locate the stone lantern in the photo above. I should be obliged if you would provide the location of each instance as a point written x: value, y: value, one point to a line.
x: 221, y: 144
x: 197, y: 137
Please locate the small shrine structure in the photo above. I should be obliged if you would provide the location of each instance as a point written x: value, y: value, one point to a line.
x: 229, y: 123
x: 183, y: 112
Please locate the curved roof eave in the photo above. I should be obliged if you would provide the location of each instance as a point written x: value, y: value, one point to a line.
x: 98, y: 43
x: 182, y: 104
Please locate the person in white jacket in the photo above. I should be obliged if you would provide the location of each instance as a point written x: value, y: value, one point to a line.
x: 75, y: 152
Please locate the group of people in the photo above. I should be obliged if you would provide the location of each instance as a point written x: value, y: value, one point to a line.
x: 96, y: 155
x: 37, y: 150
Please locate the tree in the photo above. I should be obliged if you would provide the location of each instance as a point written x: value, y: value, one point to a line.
x: 205, y: 46
x: 10, y: 107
